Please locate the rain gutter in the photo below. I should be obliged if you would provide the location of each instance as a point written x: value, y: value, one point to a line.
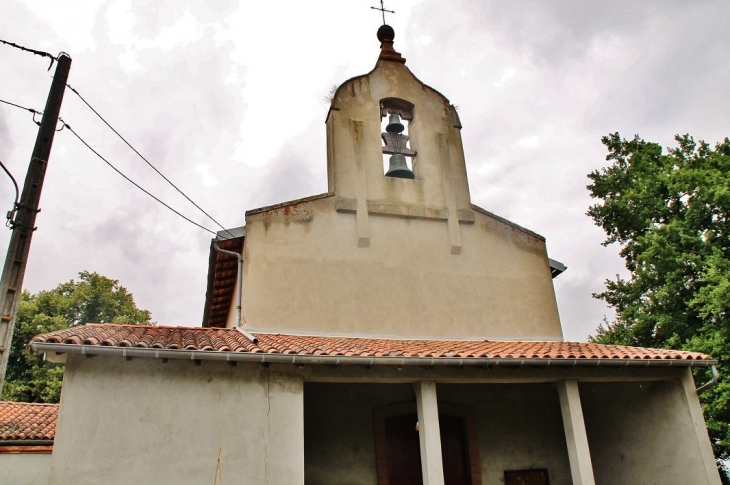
x: 712, y: 383
x: 296, y: 359
x: 26, y: 442
x: 239, y: 287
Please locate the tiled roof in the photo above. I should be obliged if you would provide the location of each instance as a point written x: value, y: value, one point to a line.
x: 27, y: 421
x: 231, y: 340
x: 222, y: 270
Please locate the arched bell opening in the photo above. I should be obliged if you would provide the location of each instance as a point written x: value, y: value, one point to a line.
x: 396, y: 119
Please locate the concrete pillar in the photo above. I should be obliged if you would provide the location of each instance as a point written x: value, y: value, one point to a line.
x: 579, y: 454
x: 429, y: 433
x: 698, y: 423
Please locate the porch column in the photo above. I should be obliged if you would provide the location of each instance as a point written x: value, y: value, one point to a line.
x: 579, y: 454
x: 429, y: 435
x: 698, y: 423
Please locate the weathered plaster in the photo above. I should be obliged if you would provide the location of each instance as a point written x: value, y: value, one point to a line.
x: 144, y: 421
x: 339, y: 444
x: 643, y: 433
x: 519, y: 427
x: 25, y: 468
x: 311, y: 277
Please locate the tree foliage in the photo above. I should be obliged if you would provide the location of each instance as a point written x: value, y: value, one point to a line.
x: 92, y: 299
x: 669, y: 210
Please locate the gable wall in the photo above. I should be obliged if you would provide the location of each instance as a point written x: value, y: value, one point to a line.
x: 304, y: 273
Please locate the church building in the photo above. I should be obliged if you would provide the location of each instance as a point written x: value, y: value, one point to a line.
x: 387, y: 331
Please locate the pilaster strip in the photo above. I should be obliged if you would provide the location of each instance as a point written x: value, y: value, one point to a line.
x: 361, y: 187
x: 449, y: 193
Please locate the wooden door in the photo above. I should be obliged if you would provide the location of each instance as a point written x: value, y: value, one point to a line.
x: 404, y: 450
x: 454, y: 451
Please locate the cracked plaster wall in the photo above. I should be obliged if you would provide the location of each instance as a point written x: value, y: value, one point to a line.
x: 144, y: 421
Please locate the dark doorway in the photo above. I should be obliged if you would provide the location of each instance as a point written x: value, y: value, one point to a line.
x: 404, y: 450
x: 454, y: 450
x: 404, y: 455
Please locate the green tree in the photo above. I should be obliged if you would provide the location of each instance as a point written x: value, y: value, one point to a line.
x: 670, y: 213
x: 92, y: 299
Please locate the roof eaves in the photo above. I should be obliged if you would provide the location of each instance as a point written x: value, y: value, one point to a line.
x: 506, y: 221
x: 290, y: 203
x: 263, y: 358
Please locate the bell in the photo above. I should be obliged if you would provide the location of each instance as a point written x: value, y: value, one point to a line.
x: 398, y: 167
x: 394, y: 124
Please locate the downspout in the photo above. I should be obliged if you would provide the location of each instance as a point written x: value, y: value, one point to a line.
x: 712, y: 383
x: 239, y: 279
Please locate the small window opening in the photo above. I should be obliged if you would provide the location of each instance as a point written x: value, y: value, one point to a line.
x: 396, y: 117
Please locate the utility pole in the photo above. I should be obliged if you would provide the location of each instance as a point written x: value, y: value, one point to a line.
x: 23, y: 224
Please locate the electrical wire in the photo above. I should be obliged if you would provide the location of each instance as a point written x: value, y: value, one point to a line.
x: 67, y: 126
x: 21, y: 107
x: 17, y: 193
x: 11, y: 213
x: 147, y: 161
x: 32, y: 51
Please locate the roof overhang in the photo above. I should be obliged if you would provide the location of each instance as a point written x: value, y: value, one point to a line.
x: 556, y: 267
x: 55, y: 352
x: 222, y: 277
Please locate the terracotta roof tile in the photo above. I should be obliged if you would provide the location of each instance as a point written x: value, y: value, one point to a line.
x: 27, y: 421
x: 222, y: 269
x: 231, y: 340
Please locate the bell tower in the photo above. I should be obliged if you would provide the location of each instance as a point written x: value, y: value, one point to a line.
x: 435, y: 184
x: 395, y: 248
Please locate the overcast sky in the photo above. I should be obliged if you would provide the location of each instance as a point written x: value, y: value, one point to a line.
x: 228, y: 100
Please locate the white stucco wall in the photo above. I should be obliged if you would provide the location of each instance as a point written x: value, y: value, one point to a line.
x: 519, y: 427
x: 642, y: 433
x: 24, y: 468
x: 145, y: 422
x: 303, y: 273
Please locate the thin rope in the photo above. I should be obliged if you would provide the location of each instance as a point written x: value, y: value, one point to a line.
x: 66, y: 125
x: 147, y: 161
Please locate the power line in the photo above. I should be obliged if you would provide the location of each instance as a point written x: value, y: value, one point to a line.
x: 35, y: 112
x: 11, y: 213
x: 147, y: 161
x: 66, y: 125
x: 21, y: 107
x: 33, y: 51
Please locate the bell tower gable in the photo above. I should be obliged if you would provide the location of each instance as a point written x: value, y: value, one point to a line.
x: 424, y: 176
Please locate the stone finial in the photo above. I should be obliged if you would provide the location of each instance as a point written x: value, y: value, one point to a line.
x: 386, y: 34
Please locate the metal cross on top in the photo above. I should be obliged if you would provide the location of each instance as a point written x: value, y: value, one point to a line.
x: 382, y: 9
